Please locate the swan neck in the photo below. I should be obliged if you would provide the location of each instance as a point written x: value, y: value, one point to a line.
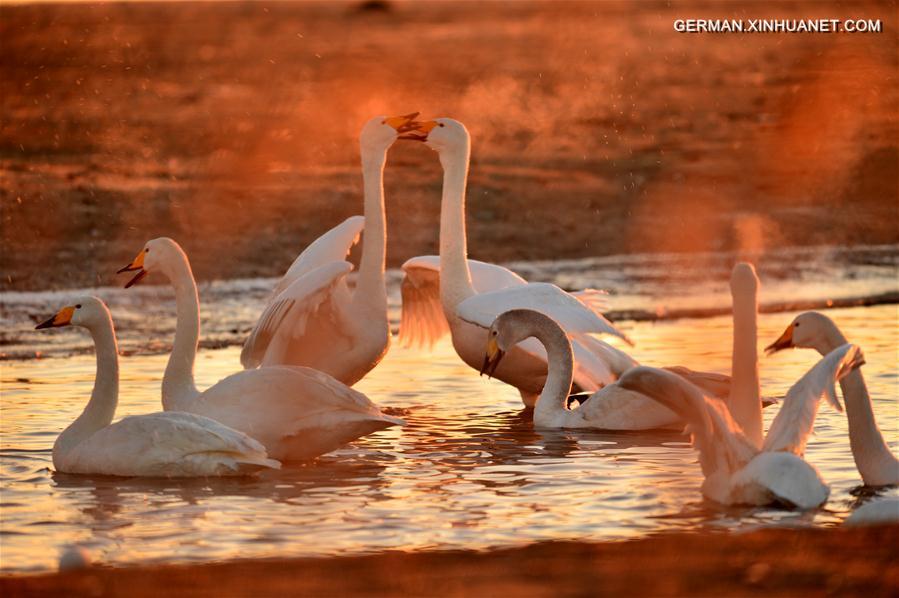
x: 178, y: 387
x: 745, y: 401
x: 104, y: 398
x: 455, y: 278
x: 371, y: 286
x: 875, y: 463
x: 560, y: 362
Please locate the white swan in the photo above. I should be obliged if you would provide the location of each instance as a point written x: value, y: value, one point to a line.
x: 164, y: 444
x: 458, y: 296
x: 876, y: 464
x: 736, y: 469
x: 880, y: 511
x: 610, y: 408
x: 321, y: 323
x: 296, y: 412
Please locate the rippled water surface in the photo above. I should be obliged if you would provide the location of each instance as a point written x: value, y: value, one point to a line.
x: 469, y: 471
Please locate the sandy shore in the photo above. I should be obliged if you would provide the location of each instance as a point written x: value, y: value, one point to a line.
x: 773, y: 562
x: 597, y: 129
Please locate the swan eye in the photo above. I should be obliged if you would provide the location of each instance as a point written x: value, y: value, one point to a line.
x: 147, y: 250
x: 494, y: 333
x: 441, y: 125
x: 383, y: 122
x: 78, y: 306
x: 797, y: 324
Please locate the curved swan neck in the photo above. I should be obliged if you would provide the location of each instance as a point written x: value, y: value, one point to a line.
x: 105, y: 396
x: 873, y: 459
x: 455, y: 278
x: 371, y: 287
x: 178, y: 386
x: 745, y: 401
x: 560, y: 359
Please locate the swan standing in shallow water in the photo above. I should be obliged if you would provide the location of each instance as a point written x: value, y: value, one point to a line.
x: 313, y: 319
x: 736, y: 469
x: 296, y: 412
x: 875, y: 463
x: 167, y: 444
x: 460, y: 301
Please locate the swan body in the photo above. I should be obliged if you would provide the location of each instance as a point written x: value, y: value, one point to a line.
x: 883, y: 511
x: 610, y: 408
x: 736, y: 470
x: 167, y: 444
x: 322, y: 323
x: 296, y: 412
x: 875, y: 462
x: 458, y: 295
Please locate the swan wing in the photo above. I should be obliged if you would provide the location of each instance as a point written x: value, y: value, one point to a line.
x: 568, y: 311
x: 292, y: 308
x: 423, y: 322
x: 792, y: 425
x: 615, y: 359
x: 333, y: 246
x: 296, y: 412
x: 282, y: 397
x: 169, y: 443
x: 722, y: 445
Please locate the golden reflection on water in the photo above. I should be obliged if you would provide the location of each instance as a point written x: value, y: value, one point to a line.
x: 468, y: 471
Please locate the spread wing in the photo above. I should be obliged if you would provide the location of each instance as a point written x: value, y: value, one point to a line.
x: 333, y: 246
x: 422, y: 322
x: 793, y: 423
x: 292, y: 308
x: 572, y: 314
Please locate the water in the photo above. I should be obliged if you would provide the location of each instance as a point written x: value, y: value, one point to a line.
x: 469, y: 471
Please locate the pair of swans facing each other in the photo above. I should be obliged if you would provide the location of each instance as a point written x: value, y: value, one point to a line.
x: 313, y: 318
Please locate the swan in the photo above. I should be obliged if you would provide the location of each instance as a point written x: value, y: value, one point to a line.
x: 873, y: 459
x: 610, y: 408
x: 167, y: 444
x: 296, y: 412
x: 461, y: 303
x: 323, y: 324
x: 736, y: 469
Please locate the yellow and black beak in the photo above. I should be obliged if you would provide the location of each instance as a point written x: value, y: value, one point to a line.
x: 61, y: 318
x: 136, y: 265
x: 418, y: 131
x: 785, y: 341
x: 402, y: 124
x: 492, y: 358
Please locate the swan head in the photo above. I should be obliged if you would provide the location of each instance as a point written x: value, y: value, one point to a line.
x: 379, y: 133
x: 507, y: 330
x: 441, y: 134
x: 809, y: 330
x: 157, y: 254
x: 85, y: 311
x: 743, y: 279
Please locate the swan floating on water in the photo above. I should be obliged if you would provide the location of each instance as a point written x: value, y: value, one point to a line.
x: 873, y: 459
x: 312, y: 318
x: 168, y: 444
x: 296, y: 412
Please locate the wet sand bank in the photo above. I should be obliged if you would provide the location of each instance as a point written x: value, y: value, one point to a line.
x: 771, y: 562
